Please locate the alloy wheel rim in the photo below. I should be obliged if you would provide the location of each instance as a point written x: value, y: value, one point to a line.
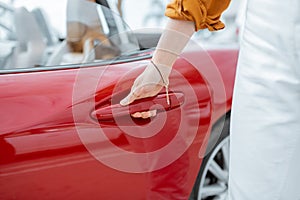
x: 214, y: 180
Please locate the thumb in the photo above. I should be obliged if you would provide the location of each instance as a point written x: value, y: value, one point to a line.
x: 132, y: 96
x: 127, y: 100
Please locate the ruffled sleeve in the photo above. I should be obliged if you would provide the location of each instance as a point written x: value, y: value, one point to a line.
x: 205, y: 13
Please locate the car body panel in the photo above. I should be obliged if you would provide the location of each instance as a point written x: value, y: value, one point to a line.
x: 50, y: 144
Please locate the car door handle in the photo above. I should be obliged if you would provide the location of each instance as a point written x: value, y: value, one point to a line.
x: 158, y: 103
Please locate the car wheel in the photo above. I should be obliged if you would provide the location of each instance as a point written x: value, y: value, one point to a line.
x: 212, y: 180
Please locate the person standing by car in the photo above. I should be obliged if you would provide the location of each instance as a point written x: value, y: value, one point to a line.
x: 265, y: 128
x: 265, y: 131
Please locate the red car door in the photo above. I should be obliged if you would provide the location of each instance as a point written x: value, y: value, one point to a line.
x: 63, y: 134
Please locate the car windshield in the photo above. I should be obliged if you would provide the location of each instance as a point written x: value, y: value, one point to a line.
x: 90, y: 32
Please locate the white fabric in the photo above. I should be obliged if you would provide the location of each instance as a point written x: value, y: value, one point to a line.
x: 265, y: 131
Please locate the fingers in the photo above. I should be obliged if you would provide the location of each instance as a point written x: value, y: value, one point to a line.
x: 147, y: 84
x: 131, y: 97
x: 134, y: 95
x: 145, y: 115
x: 141, y: 92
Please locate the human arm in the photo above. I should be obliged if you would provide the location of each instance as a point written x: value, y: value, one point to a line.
x: 186, y: 17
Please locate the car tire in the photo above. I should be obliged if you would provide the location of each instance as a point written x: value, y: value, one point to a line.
x: 212, y: 179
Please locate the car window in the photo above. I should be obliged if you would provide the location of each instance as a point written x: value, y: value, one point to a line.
x: 39, y: 34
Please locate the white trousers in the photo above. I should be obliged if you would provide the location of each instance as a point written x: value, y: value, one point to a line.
x: 265, y: 126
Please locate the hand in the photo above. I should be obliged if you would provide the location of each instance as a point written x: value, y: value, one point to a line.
x: 147, y: 84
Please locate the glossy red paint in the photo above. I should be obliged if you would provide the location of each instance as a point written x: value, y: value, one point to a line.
x: 48, y: 134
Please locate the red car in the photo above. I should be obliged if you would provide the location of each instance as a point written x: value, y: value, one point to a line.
x: 63, y: 134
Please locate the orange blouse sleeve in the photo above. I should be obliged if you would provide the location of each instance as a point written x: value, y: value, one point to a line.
x: 205, y: 13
